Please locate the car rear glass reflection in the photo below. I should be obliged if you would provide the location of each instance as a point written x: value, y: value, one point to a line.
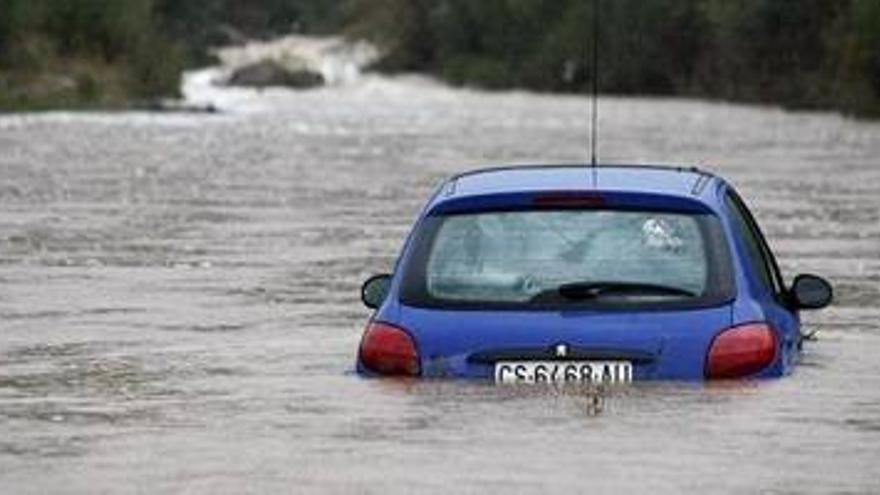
x: 515, y: 257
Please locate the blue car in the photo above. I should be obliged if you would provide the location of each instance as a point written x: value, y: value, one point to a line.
x: 584, y: 274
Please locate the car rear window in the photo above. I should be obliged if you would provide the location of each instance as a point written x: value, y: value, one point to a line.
x: 568, y: 257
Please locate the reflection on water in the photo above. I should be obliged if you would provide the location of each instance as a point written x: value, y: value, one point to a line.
x: 179, y: 305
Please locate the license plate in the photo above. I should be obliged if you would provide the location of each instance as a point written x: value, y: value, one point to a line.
x: 563, y: 372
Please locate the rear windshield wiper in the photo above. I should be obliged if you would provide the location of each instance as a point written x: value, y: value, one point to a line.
x: 581, y: 291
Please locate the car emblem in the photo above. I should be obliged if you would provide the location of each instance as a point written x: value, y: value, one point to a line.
x: 561, y: 350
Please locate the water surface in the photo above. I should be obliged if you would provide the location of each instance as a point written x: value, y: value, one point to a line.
x: 179, y: 307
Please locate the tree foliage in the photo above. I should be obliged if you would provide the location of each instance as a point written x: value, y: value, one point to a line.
x: 97, y: 53
x: 84, y: 52
x: 798, y: 53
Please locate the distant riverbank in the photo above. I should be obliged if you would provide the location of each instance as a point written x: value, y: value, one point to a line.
x: 102, y: 54
x: 85, y: 54
x: 816, y: 54
x: 121, y: 54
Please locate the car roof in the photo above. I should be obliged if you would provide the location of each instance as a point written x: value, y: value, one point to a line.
x: 675, y: 181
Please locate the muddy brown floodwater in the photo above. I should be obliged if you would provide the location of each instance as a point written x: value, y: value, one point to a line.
x: 179, y: 303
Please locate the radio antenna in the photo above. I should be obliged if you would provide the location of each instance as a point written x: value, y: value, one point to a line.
x: 595, y: 103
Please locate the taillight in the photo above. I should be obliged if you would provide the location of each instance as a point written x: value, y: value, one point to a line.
x: 741, y: 351
x: 388, y: 350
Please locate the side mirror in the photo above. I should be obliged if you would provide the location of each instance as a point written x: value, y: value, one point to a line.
x: 810, y: 292
x: 375, y: 289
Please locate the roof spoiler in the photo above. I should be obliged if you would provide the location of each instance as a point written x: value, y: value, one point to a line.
x: 558, y: 200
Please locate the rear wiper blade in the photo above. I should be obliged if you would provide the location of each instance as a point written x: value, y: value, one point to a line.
x: 590, y: 290
x: 580, y: 291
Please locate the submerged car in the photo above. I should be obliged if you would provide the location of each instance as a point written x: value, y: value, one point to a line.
x: 586, y: 274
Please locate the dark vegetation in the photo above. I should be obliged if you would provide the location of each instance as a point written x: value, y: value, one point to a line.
x: 797, y: 53
x: 118, y: 53
x: 83, y: 53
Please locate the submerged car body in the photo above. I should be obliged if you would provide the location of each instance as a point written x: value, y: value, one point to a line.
x: 573, y: 273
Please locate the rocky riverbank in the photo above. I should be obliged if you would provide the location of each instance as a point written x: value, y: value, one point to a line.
x: 294, y: 62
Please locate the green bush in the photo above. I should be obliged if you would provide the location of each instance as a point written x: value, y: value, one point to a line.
x: 797, y: 53
x: 856, y: 87
x: 91, y: 53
